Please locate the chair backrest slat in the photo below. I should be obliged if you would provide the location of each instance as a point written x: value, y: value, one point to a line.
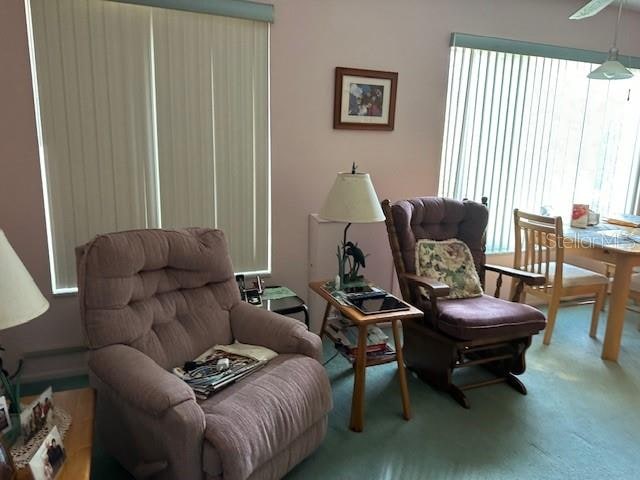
x: 542, y: 244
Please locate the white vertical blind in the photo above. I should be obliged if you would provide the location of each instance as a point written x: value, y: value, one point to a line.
x: 93, y: 73
x: 212, y: 116
x: 150, y: 117
x: 531, y: 132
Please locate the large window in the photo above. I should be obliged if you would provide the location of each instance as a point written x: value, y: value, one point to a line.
x: 534, y: 133
x: 151, y: 117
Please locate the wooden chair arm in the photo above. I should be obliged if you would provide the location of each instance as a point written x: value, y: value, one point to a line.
x: 528, y: 278
x: 434, y: 288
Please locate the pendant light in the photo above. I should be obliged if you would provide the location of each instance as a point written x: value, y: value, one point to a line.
x: 612, y: 69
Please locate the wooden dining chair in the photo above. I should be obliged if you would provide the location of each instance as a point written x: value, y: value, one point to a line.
x: 539, y: 249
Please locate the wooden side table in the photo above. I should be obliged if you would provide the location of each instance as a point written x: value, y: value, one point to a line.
x: 78, y: 441
x: 361, y: 361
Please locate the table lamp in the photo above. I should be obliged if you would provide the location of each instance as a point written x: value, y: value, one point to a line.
x: 20, y: 301
x: 352, y: 199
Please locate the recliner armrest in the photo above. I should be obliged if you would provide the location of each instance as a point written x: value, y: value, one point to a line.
x: 257, y: 326
x: 138, y: 379
x: 434, y: 287
x: 528, y: 278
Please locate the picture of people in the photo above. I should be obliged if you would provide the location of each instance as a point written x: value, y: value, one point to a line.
x: 35, y: 416
x: 49, y: 458
x: 365, y: 100
x: 5, y: 418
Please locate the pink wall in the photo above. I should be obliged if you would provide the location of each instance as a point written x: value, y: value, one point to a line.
x: 309, y: 39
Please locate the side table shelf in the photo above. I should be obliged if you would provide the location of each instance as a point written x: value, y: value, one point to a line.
x: 388, y: 357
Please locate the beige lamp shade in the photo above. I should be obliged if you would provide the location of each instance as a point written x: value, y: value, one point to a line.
x: 352, y: 199
x: 20, y: 298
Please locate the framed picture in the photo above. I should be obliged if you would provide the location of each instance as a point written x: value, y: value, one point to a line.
x: 5, y: 418
x: 364, y: 99
x: 48, y: 460
x: 37, y: 415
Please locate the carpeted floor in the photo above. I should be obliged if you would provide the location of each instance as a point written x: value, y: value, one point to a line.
x: 580, y: 420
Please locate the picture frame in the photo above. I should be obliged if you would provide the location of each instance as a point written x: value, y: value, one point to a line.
x: 37, y: 415
x: 49, y: 459
x: 5, y: 417
x: 364, y: 99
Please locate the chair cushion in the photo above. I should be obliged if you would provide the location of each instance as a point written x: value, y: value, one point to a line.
x: 450, y: 262
x: 574, y: 276
x: 439, y: 219
x: 485, y: 316
x: 252, y: 421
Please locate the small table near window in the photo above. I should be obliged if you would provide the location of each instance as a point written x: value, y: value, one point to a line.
x: 362, y: 360
x: 284, y: 301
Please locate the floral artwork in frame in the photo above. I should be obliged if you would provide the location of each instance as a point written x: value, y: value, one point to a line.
x: 364, y: 99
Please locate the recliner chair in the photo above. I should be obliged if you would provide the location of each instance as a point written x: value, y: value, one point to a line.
x: 457, y: 333
x: 153, y: 299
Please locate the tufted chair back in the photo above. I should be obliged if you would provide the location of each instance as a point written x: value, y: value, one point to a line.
x: 166, y: 293
x: 435, y: 218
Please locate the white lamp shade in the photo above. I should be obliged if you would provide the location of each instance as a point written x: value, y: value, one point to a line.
x: 352, y: 199
x: 20, y: 298
x: 610, y: 70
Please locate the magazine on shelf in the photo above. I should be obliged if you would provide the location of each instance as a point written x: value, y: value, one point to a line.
x: 385, y: 352
x: 222, y: 365
x: 344, y: 333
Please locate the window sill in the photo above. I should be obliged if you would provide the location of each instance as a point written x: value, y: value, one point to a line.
x: 66, y: 292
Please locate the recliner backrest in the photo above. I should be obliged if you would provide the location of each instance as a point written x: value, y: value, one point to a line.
x: 166, y: 293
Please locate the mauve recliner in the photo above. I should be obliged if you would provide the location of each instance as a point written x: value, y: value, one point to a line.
x: 151, y: 300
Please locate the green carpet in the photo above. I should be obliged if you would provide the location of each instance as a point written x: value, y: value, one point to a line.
x: 580, y: 420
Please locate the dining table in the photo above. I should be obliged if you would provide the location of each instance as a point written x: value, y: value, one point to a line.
x: 616, y: 243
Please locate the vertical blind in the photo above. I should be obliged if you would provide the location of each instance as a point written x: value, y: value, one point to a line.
x: 150, y: 117
x: 535, y: 133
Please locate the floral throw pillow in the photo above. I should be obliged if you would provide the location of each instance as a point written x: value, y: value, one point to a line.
x: 450, y: 262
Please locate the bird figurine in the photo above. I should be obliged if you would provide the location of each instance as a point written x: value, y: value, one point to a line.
x: 356, y: 258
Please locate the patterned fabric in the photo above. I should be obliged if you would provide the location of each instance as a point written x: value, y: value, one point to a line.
x: 450, y: 262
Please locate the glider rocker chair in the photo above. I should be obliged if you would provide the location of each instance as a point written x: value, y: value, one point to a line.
x: 460, y: 332
x: 151, y: 300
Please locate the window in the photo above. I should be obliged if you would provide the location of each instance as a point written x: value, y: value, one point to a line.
x: 531, y: 131
x: 151, y: 117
